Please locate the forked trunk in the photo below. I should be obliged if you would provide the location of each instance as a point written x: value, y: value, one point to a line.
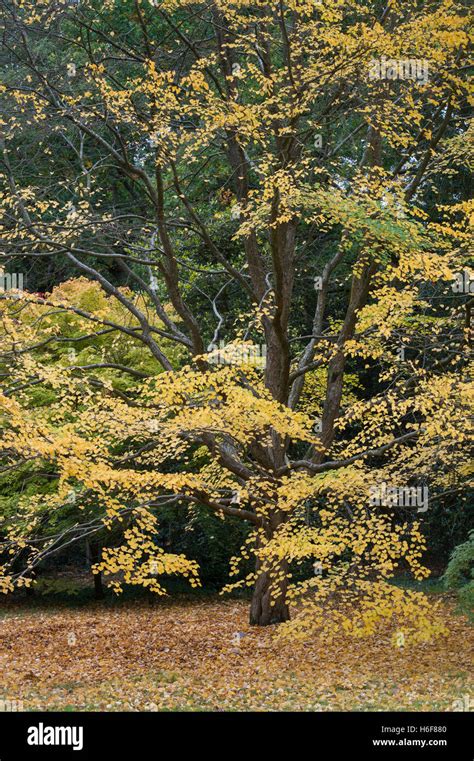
x: 267, y: 608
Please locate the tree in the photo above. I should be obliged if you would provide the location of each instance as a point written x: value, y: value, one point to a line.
x: 246, y: 151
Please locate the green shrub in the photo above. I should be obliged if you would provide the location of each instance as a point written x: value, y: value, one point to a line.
x: 459, y: 573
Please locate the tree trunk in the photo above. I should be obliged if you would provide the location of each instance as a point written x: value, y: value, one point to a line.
x: 264, y: 608
x: 93, y: 553
x: 98, y: 587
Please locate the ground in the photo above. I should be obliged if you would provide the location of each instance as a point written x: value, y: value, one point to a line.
x: 184, y: 655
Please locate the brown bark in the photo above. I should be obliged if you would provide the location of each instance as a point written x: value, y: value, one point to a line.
x: 266, y: 609
x: 269, y: 605
x: 93, y: 553
x: 358, y: 298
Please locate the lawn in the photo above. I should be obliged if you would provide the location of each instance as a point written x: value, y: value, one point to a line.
x: 182, y: 655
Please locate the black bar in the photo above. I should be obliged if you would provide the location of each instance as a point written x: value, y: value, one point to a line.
x: 253, y: 735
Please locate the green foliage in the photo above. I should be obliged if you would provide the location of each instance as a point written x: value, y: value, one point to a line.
x: 459, y: 573
x: 49, y: 586
x: 461, y: 564
x: 203, y: 537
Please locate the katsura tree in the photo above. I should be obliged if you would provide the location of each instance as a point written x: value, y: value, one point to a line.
x: 256, y: 177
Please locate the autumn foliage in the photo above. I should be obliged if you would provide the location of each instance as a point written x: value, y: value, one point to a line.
x: 231, y: 172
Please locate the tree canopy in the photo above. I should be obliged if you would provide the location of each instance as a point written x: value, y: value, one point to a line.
x: 244, y: 233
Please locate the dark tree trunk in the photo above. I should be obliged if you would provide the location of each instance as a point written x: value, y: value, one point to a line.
x: 98, y: 587
x: 266, y: 609
x: 93, y: 554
